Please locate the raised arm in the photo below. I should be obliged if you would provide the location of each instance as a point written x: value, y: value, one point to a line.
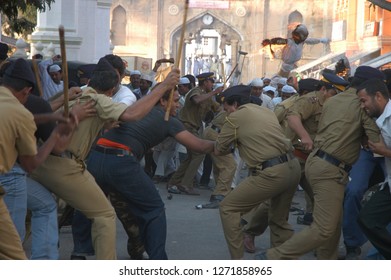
x: 142, y: 107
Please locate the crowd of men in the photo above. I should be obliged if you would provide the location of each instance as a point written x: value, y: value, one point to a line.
x: 104, y: 153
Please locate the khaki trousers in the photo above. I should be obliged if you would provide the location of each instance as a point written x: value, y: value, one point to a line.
x: 69, y: 180
x: 10, y: 243
x: 328, y: 184
x: 277, y: 184
x: 257, y: 218
x: 187, y: 170
x: 224, y: 167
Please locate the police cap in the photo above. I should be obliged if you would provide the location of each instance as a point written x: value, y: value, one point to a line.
x: 206, y: 76
x: 85, y: 71
x: 334, y: 80
x: 21, y: 70
x: 366, y: 72
x: 308, y: 84
x: 239, y: 90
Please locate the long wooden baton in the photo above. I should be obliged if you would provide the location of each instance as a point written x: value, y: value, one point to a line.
x: 64, y: 70
x: 224, y: 77
x: 233, y: 70
x: 37, y: 77
x: 178, y: 58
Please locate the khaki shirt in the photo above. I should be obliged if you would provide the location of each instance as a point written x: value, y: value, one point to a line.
x: 192, y: 114
x: 218, y: 121
x: 281, y: 111
x: 17, y: 130
x: 308, y: 108
x: 255, y: 131
x: 89, y: 128
x: 342, y: 126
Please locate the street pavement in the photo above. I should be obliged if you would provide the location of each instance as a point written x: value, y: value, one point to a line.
x: 192, y: 234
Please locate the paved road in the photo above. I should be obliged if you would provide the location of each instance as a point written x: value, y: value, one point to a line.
x: 192, y: 234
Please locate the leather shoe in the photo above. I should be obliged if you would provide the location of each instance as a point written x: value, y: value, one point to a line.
x: 248, y: 242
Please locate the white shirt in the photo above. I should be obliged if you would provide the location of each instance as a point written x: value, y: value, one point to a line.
x: 49, y: 87
x: 384, y: 124
x: 267, y: 101
x: 124, y: 95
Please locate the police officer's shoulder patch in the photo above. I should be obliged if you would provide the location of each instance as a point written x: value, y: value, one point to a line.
x: 313, y: 99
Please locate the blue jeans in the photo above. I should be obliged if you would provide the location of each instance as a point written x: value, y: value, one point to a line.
x: 44, y: 227
x: 21, y: 193
x: 360, y: 175
x: 14, y: 184
x: 125, y: 175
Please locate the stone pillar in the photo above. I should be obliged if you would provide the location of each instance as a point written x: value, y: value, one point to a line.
x: 234, y: 52
x: 86, y: 24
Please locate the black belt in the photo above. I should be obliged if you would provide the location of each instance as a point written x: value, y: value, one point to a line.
x: 329, y: 158
x: 215, y: 128
x: 112, y: 151
x: 277, y: 160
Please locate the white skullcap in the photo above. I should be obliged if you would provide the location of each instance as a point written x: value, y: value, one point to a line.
x: 147, y: 77
x: 288, y: 89
x: 54, y: 68
x: 269, y: 88
x: 257, y: 82
x: 135, y: 72
x: 184, y: 81
x: 282, y: 81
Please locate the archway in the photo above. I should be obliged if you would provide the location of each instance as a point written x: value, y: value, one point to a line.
x: 211, y: 42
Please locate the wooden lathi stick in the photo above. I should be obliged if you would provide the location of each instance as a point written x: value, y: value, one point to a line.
x: 37, y: 77
x: 64, y: 69
x: 178, y: 58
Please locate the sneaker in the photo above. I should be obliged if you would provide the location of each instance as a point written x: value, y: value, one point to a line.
x: 352, y: 253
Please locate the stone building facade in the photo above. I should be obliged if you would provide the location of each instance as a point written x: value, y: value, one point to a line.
x: 227, y: 31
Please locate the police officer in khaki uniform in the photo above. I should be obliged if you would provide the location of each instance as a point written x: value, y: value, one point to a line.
x: 17, y: 141
x: 275, y: 172
x: 65, y: 174
x: 198, y: 103
x: 224, y: 166
x: 303, y: 119
x: 343, y: 126
x: 256, y: 221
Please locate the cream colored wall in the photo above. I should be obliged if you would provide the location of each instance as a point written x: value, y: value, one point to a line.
x: 151, y: 25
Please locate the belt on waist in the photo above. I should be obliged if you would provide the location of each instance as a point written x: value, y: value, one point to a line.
x: 112, y: 151
x: 65, y: 154
x: 300, y: 154
x: 334, y: 161
x: 272, y: 162
x: 277, y: 160
x: 215, y: 128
